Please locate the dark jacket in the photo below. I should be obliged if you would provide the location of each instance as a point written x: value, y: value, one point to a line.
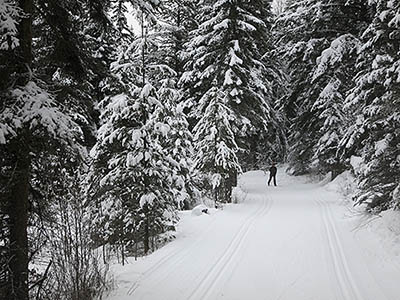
x: 272, y: 170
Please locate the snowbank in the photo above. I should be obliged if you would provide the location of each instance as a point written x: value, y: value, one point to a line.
x: 344, y: 184
x: 390, y: 219
x: 389, y: 226
x: 384, y: 227
x: 239, y: 192
x: 238, y: 195
x: 379, y: 235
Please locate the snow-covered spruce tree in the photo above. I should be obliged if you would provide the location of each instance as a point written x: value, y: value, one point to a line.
x: 226, y: 51
x: 32, y: 122
x: 215, y: 145
x: 334, y: 72
x: 179, y: 144
x: 32, y: 125
x: 374, y: 104
x: 51, y: 64
x: 74, y: 44
x: 321, y: 41
x: 135, y: 172
x: 10, y: 15
x: 175, y: 18
x: 178, y: 140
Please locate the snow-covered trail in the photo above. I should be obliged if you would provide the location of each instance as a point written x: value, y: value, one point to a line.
x: 290, y: 242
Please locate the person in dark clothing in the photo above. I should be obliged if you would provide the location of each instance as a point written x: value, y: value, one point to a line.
x: 272, y: 174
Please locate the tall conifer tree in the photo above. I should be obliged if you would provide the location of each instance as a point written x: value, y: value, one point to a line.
x: 374, y: 101
x: 320, y: 41
x: 226, y: 52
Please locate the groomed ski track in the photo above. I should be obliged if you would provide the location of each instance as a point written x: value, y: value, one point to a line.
x: 291, y: 242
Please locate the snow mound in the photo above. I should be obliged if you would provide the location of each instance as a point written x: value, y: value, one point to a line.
x: 238, y: 195
x: 200, y: 209
x: 386, y: 229
x: 344, y: 184
x: 390, y: 219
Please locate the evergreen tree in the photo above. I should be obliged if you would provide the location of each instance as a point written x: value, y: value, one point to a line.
x: 31, y: 118
x: 215, y: 145
x: 334, y: 72
x: 133, y: 167
x: 320, y: 44
x: 175, y: 19
x: 226, y: 52
x: 179, y: 144
x: 374, y: 101
x: 138, y: 158
x: 48, y: 72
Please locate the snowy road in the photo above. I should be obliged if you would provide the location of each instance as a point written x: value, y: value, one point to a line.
x: 291, y: 242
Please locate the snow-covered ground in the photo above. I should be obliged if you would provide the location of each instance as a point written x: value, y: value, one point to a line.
x: 297, y: 241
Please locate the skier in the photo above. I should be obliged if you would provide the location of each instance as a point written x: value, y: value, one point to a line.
x: 272, y: 174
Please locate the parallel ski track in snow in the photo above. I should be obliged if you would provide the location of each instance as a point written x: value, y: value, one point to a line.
x: 348, y: 287
x: 168, y: 258
x: 208, y: 283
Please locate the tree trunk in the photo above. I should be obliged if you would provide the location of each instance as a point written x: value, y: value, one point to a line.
x: 18, y: 223
x: 253, y: 151
x: 18, y: 199
x: 146, y: 240
x: 216, y: 196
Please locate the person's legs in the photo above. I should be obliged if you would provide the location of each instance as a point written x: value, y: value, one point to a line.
x: 275, y: 180
x: 270, y: 178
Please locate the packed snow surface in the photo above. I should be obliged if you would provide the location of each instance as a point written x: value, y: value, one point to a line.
x: 297, y: 241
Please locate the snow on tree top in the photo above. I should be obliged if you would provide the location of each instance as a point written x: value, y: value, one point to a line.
x: 222, y: 25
